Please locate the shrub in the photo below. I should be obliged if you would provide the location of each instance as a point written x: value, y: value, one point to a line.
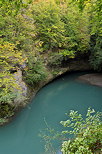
x: 6, y: 110
x: 35, y: 72
x: 87, y: 133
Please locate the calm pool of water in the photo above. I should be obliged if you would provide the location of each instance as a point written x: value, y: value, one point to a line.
x: 21, y: 136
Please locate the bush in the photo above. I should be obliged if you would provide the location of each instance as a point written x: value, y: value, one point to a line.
x: 87, y: 133
x: 6, y: 105
x: 35, y: 72
x: 6, y: 110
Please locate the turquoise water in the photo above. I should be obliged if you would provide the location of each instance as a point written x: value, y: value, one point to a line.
x: 21, y: 136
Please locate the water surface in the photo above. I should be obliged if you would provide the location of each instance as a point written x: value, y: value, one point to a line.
x: 21, y: 136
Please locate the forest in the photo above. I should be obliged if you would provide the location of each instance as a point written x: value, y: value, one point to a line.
x: 40, y: 38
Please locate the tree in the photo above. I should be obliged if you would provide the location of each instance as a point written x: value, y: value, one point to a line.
x: 10, y: 57
x: 57, y: 27
x: 94, y: 10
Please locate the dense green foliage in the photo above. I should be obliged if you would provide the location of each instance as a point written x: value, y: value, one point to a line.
x: 57, y: 29
x: 9, y: 58
x: 87, y: 133
x: 11, y: 55
x: 49, y: 31
x: 81, y: 135
x: 35, y: 73
x: 70, y: 28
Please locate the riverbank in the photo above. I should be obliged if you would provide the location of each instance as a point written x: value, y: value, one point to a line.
x: 29, y: 92
x: 93, y: 79
x: 55, y: 72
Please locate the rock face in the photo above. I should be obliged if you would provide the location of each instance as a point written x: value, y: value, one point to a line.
x: 22, y: 90
x: 20, y: 82
x: 93, y: 79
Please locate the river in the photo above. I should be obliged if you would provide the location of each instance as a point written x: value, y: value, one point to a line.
x: 49, y: 106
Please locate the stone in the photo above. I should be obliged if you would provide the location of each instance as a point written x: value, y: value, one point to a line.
x: 93, y: 79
